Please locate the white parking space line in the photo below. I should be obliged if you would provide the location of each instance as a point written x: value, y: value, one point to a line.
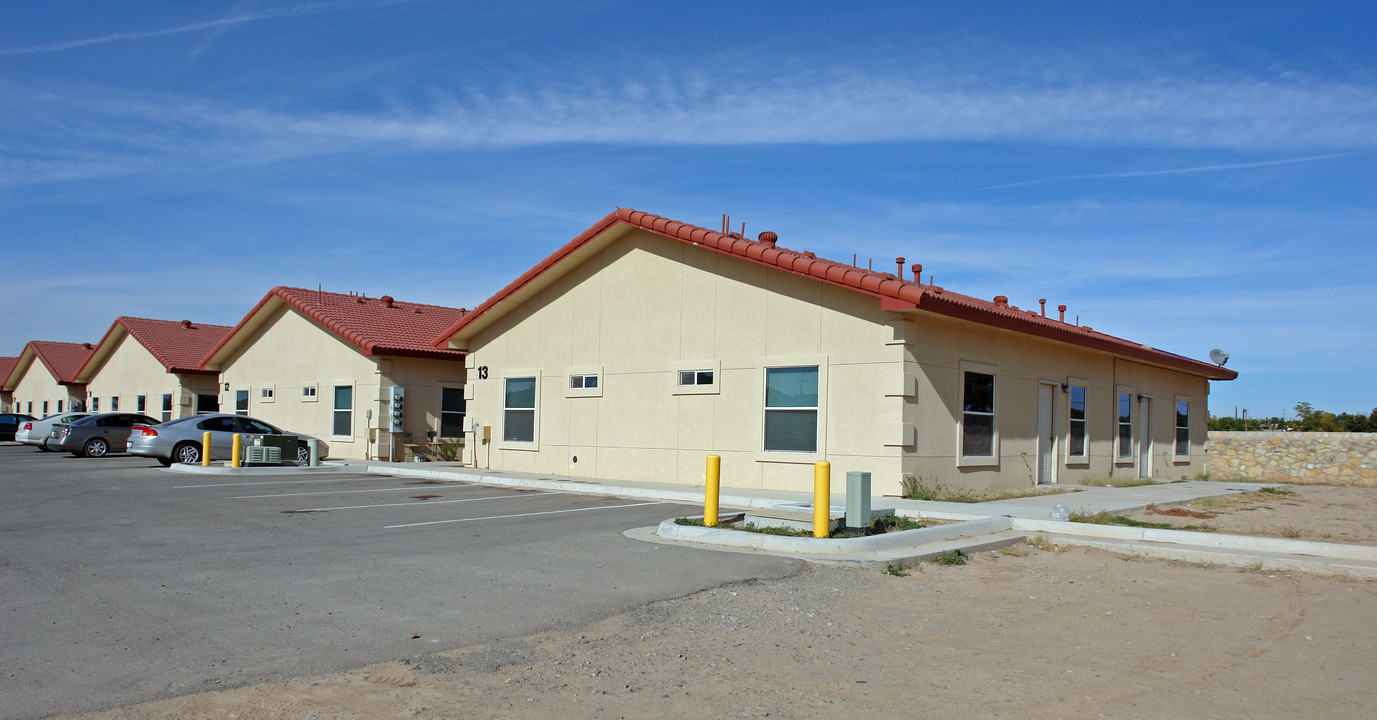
x: 518, y: 515
x: 426, y: 502
x: 276, y: 482
x: 412, y: 488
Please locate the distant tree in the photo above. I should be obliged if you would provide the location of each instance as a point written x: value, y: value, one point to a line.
x: 1353, y: 423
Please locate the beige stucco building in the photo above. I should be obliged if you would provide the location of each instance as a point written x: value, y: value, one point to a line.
x: 43, y: 379
x: 6, y: 365
x: 328, y: 364
x: 645, y: 344
x: 153, y: 367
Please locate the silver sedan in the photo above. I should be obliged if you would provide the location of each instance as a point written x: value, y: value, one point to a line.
x: 36, y: 432
x: 95, y: 435
x: 180, y: 440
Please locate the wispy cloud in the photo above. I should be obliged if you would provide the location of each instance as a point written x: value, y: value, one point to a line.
x: 1289, y: 115
x: 299, y: 10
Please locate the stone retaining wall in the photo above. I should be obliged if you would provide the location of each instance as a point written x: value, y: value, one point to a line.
x: 1294, y: 457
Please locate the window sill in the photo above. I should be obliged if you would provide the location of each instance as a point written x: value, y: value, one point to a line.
x: 521, y: 446
x: 1078, y: 462
x: 788, y: 458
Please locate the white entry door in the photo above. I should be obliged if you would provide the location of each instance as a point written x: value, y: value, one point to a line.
x: 1047, y: 441
x: 1145, y: 437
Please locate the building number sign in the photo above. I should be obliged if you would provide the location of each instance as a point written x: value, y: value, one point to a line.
x: 482, y: 372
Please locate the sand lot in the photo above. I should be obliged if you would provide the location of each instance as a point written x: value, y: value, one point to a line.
x: 1023, y: 633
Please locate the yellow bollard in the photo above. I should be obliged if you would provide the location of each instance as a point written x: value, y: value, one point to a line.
x: 822, y: 499
x: 205, y: 449
x: 710, y: 492
x: 237, y: 454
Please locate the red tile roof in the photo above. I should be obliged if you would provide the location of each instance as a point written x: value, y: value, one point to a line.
x: 376, y: 326
x: 6, y: 367
x: 894, y: 293
x: 61, y: 359
x: 178, y: 345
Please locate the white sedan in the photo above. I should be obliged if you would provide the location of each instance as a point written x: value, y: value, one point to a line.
x: 35, y: 432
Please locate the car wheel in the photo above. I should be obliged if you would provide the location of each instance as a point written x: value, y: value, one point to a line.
x: 303, y: 453
x: 188, y: 453
x: 44, y: 447
x: 96, y: 447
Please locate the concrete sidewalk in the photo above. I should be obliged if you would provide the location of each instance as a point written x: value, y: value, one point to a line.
x: 972, y: 527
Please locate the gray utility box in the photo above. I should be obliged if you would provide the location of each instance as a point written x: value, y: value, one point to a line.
x: 262, y: 455
x: 284, y: 444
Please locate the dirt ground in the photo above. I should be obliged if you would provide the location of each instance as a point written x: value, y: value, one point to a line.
x: 1308, y: 512
x: 1026, y: 632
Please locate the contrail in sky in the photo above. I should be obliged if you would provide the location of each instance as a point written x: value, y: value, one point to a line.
x: 1177, y: 171
x: 302, y: 9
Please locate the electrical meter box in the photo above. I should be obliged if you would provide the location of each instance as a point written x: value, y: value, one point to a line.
x: 398, y: 408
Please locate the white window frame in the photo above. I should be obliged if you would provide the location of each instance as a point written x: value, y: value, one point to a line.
x: 114, y: 403
x: 1176, y: 455
x: 334, y: 410
x: 711, y: 388
x: 141, y: 403
x: 579, y: 376
x: 310, y: 393
x: 166, y: 409
x: 962, y: 459
x: 1071, y: 384
x: 1125, y: 457
x: 501, y: 429
x: 248, y: 400
x: 784, y: 456
x: 267, y: 393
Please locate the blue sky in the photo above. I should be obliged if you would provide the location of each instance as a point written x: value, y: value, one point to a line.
x: 1187, y: 175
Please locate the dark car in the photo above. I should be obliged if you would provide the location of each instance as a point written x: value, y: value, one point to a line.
x: 9, y: 422
x: 96, y: 435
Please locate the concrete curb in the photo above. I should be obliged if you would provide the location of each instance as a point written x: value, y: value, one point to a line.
x: 1213, y: 541
x: 259, y: 470
x: 909, y: 539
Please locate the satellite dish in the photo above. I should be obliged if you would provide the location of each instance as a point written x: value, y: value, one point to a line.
x: 1219, y: 357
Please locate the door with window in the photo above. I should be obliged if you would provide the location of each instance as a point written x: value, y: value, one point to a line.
x: 1144, y: 437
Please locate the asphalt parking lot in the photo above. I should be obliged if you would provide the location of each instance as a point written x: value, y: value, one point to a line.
x: 122, y: 582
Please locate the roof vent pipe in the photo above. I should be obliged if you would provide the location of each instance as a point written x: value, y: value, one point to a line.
x: 768, y: 239
x: 1061, y: 313
x: 917, y: 269
x: 86, y: 345
x: 900, y: 262
x: 387, y: 301
x: 1042, y: 304
x: 186, y: 323
x: 1001, y: 300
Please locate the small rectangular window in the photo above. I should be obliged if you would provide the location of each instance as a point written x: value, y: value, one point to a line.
x: 518, y: 410
x: 266, y: 394
x: 692, y: 378
x: 308, y: 393
x: 1183, y: 429
x: 791, y: 409
x: 241, y: 402
x: 59, y: 406
x: 45, y: 408
x: 95, y: 405
x: 167, y: 407
x: 583, y: 382
x: 141, y: 402
x: 452, y: 406
x: 1076, y: 448
x: 30, y: 407
x: 344, y: 410
x: 114, y: 404
x: 1125, y: 423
